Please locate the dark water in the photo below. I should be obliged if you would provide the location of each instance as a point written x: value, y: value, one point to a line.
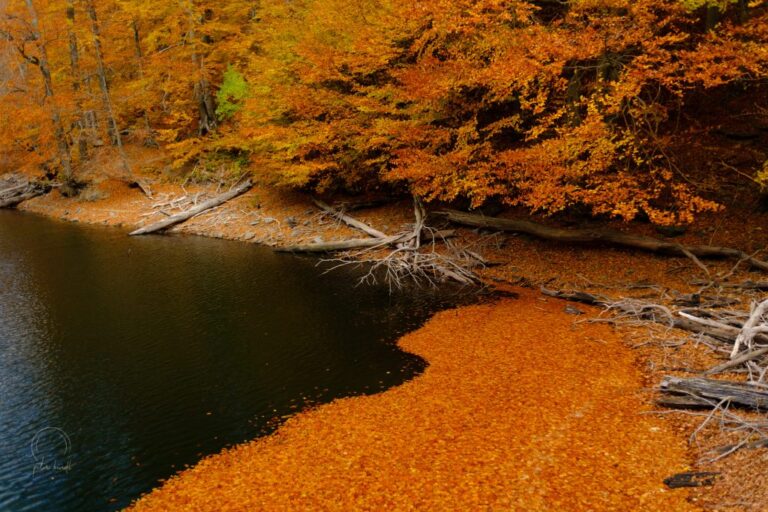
x: 123, y: 359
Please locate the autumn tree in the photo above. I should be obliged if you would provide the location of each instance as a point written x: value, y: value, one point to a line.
x: 544, y: 105
x: 540, y: 105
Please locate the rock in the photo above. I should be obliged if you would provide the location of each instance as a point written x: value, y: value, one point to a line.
x: 291, y: 221
x: 249, y: 235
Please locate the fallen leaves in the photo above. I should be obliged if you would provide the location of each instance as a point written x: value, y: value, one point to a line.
x: 517, y: 410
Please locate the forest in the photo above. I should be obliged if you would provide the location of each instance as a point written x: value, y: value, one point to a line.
x: 478, y: 255
x: 547, y: 105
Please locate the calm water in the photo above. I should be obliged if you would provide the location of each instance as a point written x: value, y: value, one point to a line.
x: 123, y: 359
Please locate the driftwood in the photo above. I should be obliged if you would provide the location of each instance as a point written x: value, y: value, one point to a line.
x: 12, y: 201
x: 707, y: 392
x: 197, y: 210
x: 752, y: 328
x: 681, y: 319
x: 643, y: 243
x: 17, y: 190
x: 744, y: 285
x: 361, y: 243
x: 342, y: 245
x: 717, y: 399
x: 350, y: 221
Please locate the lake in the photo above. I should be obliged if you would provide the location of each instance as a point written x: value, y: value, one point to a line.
x: 123, y: 359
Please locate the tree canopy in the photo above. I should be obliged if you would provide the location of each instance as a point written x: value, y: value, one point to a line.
x: 544, y: 104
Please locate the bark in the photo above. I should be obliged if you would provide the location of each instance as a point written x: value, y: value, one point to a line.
x: 697, y: 392
x: 205, y: 106
x: 45, y: 70
x: 609, y: 236
x: 197, y: 210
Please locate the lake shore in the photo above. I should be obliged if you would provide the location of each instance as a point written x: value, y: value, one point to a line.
x: 485, y: 427
x: 276, y: 218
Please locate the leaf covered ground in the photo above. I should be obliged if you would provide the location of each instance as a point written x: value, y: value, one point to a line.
x: 519, y: 409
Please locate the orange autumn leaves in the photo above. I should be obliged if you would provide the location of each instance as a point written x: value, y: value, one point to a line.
x: 486, y: 427
x: 541, y: 105
x: 546, y: 105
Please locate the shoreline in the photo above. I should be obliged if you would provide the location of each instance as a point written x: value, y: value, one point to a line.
x: 483, y: 426
x: 274, y: 217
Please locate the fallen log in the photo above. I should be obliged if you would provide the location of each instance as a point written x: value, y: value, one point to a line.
x: 10, y: 202
x: 610, y: 236
x: 197, y: 210
x: 710, y: 391
x: 15, y: 189
x: 341, y: 245
x: 362, y: 243
x: 350, y: 221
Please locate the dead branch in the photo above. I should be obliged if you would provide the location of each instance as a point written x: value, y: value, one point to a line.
x: 350, y: 221
x: 733, y: 363
x: 408, y: 260
x: 752, y: 328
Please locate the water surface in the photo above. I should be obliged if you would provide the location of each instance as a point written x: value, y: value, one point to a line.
x: 124, y: 359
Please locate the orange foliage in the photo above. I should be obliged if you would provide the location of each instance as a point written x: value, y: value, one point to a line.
x: 540, y: 104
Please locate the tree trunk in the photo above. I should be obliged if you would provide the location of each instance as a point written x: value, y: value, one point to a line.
x: 74, y: 61
x: 149, y: 139
x: 45, y: 71
x: 112, y: 129
x: 206, y: 107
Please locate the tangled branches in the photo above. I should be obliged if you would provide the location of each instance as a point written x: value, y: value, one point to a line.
x: 422, y: 255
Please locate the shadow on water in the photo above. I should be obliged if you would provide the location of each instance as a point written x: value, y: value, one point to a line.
x: 124, y: 359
